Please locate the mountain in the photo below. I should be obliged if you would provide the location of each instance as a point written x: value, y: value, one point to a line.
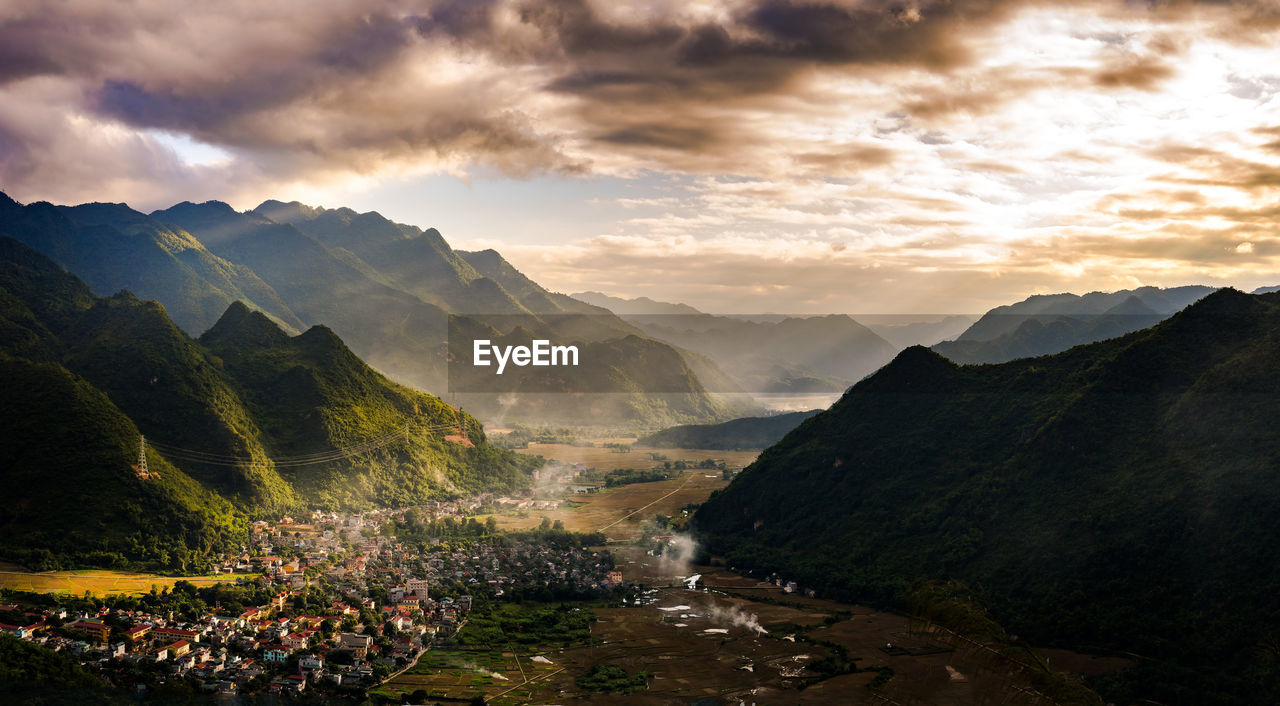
x: 1044, y: 324
x: 917, y: 333
x: 66, y: 449
x: 792, y: 354
x: 391, y: 329
x: 766, y: 354
x: 639, y: 305
x: 1103, y: 498
x: 393, y: 290
x: 412, y: 260
x: 112, y: 247
x: 245, y: 421
x: 310, y: 393
x: 734, y: 435
x: 387, y: 288
x: 174, y: 391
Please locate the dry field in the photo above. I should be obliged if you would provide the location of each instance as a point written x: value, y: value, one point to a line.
x: 619, y: 512
x: 501, y: 677
x: 608, y: 459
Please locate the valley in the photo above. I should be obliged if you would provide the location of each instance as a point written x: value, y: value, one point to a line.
x: 733, y: 638
x: 719, y: 353
x: 244, y: 444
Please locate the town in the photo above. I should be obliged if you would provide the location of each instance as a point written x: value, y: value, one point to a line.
x: 337, y: 603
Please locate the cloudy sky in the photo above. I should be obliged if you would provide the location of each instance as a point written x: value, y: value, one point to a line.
x: 916, y: 156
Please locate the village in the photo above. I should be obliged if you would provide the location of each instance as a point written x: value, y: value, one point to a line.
x: 337, y: 602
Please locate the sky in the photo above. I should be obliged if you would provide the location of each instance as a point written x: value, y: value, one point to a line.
x: 853, y: 156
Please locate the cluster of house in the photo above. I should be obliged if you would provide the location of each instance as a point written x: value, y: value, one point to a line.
x: 519, y: 564
x: 363, y: 573
x: 227, y: 652
x: 381, y: 560
x: 507, y: 504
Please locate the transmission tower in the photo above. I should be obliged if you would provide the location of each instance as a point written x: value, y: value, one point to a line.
x: 141, y: 466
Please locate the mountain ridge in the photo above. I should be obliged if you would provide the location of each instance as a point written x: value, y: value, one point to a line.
x: 1073, y: 492
x: 1043, y: 324
x: 247, y: 421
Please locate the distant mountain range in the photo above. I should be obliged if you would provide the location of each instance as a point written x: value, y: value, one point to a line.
x: 1044, y: 324
x: 733, y: 435
x: 917, y: 333
x: 386, y: 288
x: 771, y: 354
x: 640, y: 305
x: 1103, y: 498
x: 243, y: 421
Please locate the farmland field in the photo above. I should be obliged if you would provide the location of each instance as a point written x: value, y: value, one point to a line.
x: 619, y: 512
x: 501, y: 677
x: 608, y: 459
x: 99, y: 583
x: 743, y: 640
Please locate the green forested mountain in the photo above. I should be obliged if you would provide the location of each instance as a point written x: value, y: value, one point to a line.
x: 391, y: 329
x: 112, y: 247
x: 310, y: 393
x: 1121, y: 495
x: 243, y: 422
x: 413, y: 260
x: 67, y: 450
x: 385, y: 288
x: 174, y: 391
x: 389, y: 289
x: 735, y: 434
x: 1045, y: 324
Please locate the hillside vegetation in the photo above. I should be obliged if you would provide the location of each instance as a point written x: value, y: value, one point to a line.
x: 247, y: 421
x: 1121, y: 495
x: 387, y: 289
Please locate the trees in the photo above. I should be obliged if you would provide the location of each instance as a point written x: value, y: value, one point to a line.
x: 612, y: 679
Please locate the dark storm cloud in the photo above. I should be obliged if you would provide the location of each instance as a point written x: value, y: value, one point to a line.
x: 576, y: 28
x: 23, y: 52
x: 765, y: 45
x: 347, y: 52
x: 658, y: 135
x: 292, y: 90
